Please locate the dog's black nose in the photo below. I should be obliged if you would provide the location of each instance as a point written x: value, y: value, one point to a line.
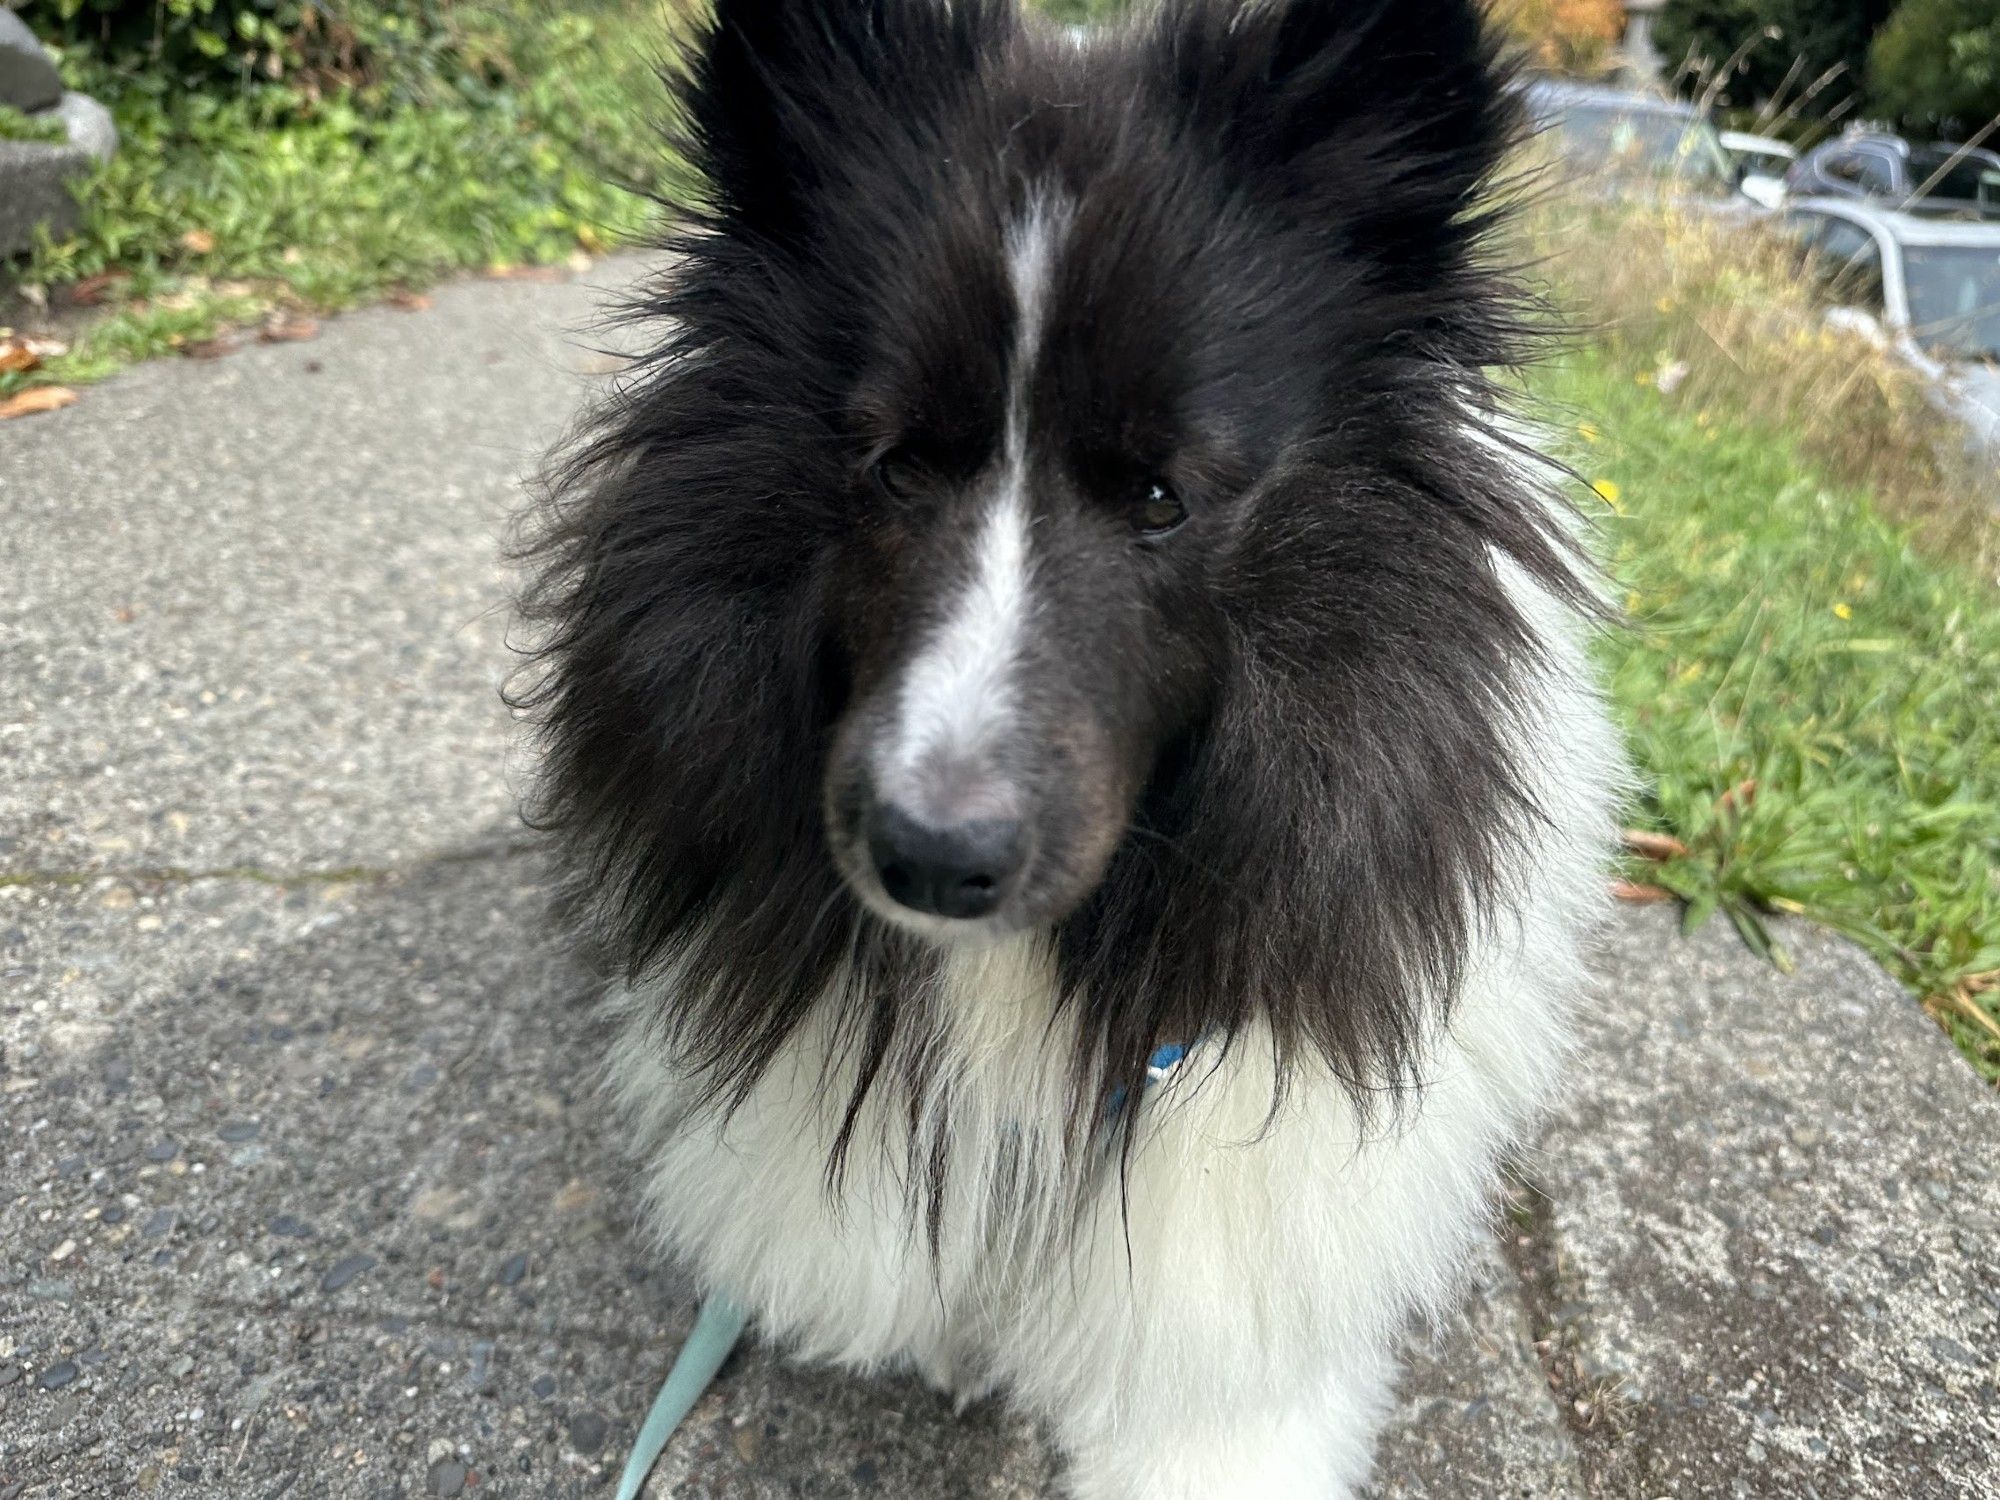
x: 961, y: 869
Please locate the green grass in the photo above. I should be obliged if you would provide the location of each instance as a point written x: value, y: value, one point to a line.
x: 15, y: 126
x: 522, y: 147
x: 1811, y: 699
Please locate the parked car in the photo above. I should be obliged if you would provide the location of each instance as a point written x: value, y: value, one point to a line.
x: 1630, y: 135
x: 1877, y: 165
x: 1761, y: 162
x: 1926, y: 285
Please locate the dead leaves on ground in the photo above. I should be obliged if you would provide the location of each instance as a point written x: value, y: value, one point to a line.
x: 287, y: 327
x: 20, y: 356
x: 1654, y: 846
x: 94, y: 291
x: 282, y: 325
x: 1639, y: 894
x: 1657, y: 847
x: 1963, y: 1000
x: 41, y: 398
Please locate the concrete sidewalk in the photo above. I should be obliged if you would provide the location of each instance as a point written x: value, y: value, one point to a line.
x: 304, y: 1187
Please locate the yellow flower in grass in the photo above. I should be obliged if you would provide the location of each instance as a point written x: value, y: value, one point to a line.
x: 1608, y: 491
x: 1840, y: 607
x: 1587, y: 431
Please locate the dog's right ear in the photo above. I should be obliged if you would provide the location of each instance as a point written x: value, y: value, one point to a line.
x: 782, y: 98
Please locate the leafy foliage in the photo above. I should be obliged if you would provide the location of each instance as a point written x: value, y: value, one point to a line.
x: 535, y: 140
x: 314, y: 44
x: 1765, y: 46
x: 1936, y: 65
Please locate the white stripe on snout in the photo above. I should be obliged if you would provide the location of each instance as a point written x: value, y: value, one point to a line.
x: 959, y: 693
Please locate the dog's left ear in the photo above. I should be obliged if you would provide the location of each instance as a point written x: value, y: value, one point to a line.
x: 1376, y: 118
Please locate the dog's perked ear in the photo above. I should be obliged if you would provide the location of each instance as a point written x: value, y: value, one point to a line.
x: 784, y: 102
x: 1375, y: 121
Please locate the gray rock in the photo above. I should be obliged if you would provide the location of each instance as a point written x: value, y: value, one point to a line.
x: 90, y: 126
x: 28, y: 77
x: 35, y: 179
x: 446, y: 1478
x: 344, y: 1270
x: 56, y: 1376
x: 587, y: 1431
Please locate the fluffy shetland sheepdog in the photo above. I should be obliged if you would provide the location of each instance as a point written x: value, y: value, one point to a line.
x: 1066, y: 593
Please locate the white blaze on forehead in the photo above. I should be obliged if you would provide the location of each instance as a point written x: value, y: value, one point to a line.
x: 960, y: 688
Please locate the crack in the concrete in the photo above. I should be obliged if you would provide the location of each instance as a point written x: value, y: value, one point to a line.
x: 311, y: 875
x: 1591, y: 1403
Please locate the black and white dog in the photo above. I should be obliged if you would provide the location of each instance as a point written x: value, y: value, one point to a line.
x: 1066, y: 593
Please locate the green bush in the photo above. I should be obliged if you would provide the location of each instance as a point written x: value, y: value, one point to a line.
x: 1771, y: 36
x: 1936, y: 65
x: 527, y: 136
x: 313, y: 44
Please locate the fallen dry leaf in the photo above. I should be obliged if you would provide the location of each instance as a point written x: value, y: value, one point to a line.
x: 1655, y: 846
x: 42, y: 398
x: 200, y: 241
x: 288, y: 328
x: 213, y: 348
x: 410, y: 301
x: 19, y: 355
x: 92, y: 290
x: 524, y: 273
x: 1739, y: 797
x: 1640, y: 895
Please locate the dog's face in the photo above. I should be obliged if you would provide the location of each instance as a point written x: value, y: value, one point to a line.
x: 1070, y: 323
x: 1059, y: 502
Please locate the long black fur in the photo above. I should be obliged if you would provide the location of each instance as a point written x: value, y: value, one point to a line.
x: 1286, y: 261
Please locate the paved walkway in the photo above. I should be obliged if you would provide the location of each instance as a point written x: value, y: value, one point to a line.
x: 304, y: 1188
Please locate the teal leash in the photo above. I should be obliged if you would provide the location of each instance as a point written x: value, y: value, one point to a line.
x: 721, y: 1321
x: 716, y: 1331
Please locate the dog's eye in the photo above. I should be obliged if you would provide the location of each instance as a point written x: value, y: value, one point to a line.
x: 1159, y: 509
x: 900, y: 472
